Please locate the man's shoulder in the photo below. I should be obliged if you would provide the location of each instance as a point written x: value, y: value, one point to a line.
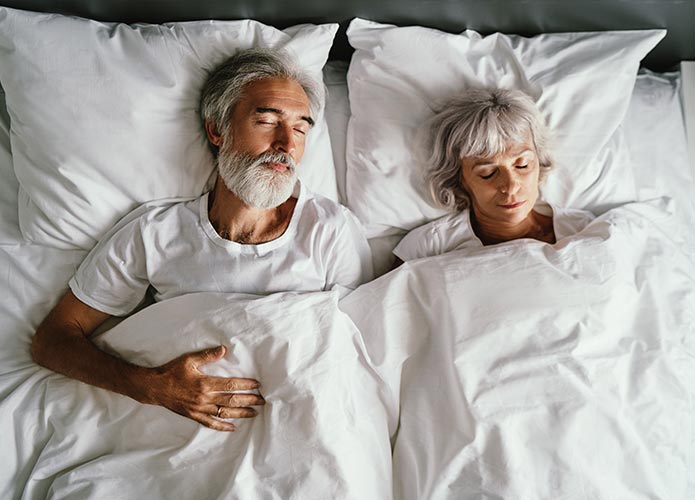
x: 325, y: 210
x: 328, y: 218
x: 154, y: 210
x: 153, y: 213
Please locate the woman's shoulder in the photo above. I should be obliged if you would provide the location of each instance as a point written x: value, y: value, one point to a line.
x: 436, y: 237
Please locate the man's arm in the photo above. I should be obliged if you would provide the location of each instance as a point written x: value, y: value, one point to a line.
x: 350, y: 257
x: 62, y: 344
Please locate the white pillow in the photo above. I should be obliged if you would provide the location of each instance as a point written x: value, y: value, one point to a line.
x: 655, y: 129
x: 337, y: 117
x: 399, y: 76
x: 105, y: 116
x: 9, y: 225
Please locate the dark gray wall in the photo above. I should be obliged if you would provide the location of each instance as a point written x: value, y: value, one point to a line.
x: 525, y: 17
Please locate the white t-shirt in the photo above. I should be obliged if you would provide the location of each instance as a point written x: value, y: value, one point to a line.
x: 454, y: 232
x: 175, y: 249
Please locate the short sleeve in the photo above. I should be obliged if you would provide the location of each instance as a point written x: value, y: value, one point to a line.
x: 421, y: 242
x: 350, y: 261
x: 113, y: 277
x: 437, y: 237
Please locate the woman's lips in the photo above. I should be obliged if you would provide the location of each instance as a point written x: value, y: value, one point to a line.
x: 510, y: 206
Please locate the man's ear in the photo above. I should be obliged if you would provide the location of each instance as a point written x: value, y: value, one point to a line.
x: 214, y: 136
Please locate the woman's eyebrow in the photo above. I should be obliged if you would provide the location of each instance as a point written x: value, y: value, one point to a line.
x: 485, y: 162
x: 280, y: 112
x: 522, y: 152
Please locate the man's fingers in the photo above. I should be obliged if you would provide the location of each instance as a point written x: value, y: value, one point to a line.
x: 226, y: 412
x: 204, y: 398
x: 207, y: 355
x: 231, y: 384
x: 238, y: 400
x: 241, y: 384
x: 213, y: 423
x: 245, y: 400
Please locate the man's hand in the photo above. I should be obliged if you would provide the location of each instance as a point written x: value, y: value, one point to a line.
x: 62, y: 344
x: 180, y: 386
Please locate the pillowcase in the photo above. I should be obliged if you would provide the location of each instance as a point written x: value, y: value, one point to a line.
x: 656, y: 133
x: 337, y: 117
x: 105, y: 116
x: 398, y: 77
x: 9, y: 225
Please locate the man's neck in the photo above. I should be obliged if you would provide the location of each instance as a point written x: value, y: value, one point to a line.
x: 234, y: 220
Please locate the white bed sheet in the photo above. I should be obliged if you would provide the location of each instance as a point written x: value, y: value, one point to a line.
x: 531, y: 371
x: 322, y: 433
x: 34, y: 277
x: 9, y: 187
x: 654, y: 132
x: 523, y: 399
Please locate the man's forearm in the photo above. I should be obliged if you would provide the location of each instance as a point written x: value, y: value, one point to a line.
x: 74, y: 355
x: 177, y: 385
x: 62, y: 344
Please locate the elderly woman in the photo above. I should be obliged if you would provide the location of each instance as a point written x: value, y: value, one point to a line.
x: 488, y: 154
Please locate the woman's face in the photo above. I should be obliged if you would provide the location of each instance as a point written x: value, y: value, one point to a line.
x: 503, y: 188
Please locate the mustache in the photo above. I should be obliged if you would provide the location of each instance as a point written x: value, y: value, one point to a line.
x: 274, y: 157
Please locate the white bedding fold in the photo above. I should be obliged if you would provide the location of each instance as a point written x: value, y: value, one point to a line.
x: 523, y: 370
x: 322, y: 433
x: 531, y: 371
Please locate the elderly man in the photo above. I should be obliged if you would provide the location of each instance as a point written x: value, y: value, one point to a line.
x: 258, y: 231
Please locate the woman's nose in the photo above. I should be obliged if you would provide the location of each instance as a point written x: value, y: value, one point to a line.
x: 509, y: 183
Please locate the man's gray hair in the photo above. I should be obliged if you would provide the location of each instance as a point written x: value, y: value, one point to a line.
x: 225, y: 84
x: 481, y: 123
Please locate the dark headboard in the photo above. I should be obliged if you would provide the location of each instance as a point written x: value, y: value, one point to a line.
x: 525, y: 17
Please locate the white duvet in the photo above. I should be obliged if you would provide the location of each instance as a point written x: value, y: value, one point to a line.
x: 322, y: 433
x: 519, y: 371
x: 530, y: 371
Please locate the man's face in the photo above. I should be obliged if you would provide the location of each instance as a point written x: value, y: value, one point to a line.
x: 257, y: 158
x: 273, y: 116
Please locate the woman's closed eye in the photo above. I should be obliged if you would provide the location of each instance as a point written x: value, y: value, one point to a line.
x: 490, y: 174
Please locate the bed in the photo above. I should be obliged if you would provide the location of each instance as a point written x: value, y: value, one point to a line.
x: 520, y: 371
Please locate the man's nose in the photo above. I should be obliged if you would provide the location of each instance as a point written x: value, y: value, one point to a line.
x: 284, y: 141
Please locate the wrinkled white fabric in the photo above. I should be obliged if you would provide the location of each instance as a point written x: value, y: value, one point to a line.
x: 33, y: 278
x: 174, y: 249
x: 399, y: 77
x: 455, y: 231
x: 531, y: 371
x: 115, y: 110
x: 322, y: 433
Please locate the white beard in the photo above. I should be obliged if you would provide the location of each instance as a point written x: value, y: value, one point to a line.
x: 253, y: 182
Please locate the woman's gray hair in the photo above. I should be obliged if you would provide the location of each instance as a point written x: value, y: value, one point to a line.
x: 225, y: 84
x: 481, y: 123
